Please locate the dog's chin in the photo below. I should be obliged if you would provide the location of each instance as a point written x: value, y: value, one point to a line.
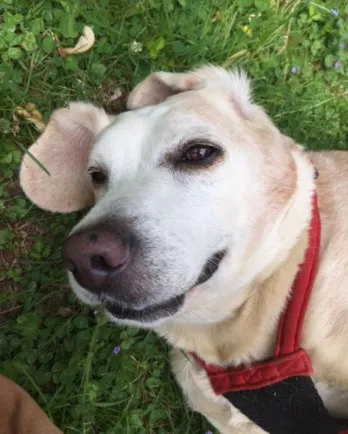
x: 152, y: 314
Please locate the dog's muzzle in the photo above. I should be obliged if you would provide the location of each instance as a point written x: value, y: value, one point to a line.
x: 103, y: 261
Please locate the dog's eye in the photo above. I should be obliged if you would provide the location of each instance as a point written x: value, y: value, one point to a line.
x: 97, y: 176
x: 200, y: 154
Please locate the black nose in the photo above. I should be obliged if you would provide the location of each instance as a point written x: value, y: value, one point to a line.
x: 97, y: 253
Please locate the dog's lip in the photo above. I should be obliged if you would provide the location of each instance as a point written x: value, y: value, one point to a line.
x: 148, y: 313
x: 211, y: 266
x: 169, y: 307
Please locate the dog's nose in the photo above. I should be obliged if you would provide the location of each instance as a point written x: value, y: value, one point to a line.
x: 96, y: 254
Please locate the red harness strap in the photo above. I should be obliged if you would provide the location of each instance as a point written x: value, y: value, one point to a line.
x: 289, y: 359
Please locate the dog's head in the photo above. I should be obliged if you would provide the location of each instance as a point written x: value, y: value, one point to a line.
x: 194, y: 193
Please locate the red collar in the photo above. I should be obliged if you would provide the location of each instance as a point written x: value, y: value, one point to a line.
x: 289, y: 359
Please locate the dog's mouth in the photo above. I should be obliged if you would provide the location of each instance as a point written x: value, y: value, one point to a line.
x: 169, y: 307
x: 149, y: 313
x: 210, y: 267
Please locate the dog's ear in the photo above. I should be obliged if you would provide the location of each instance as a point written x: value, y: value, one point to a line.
x: 158, y: 86
x: 63, y: 149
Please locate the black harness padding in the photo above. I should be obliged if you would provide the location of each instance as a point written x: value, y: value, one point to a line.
x: 292, y: 406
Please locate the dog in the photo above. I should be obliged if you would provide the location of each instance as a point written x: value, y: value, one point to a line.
x: 199, y: 219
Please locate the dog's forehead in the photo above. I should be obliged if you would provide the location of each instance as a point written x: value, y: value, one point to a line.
x: 145, y: 134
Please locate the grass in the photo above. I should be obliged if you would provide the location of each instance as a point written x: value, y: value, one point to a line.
x: 296, y: 52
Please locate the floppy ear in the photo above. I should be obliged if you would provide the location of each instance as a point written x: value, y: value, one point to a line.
x: 63, y: 149
x: 158, y: 86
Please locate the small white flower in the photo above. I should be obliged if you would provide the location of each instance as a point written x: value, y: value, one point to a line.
x: 136, y: 47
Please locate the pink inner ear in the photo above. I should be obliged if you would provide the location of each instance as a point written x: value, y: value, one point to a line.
x: 63, y: 149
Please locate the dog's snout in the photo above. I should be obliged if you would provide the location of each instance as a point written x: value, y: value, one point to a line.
x: 97, y: 254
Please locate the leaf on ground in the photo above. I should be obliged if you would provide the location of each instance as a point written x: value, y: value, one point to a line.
x: 84, y: 44
x: 67, y: 26
x: 29, y: 42
x: 14, y: 53
x: 48, y: 44
x: 30, y: 113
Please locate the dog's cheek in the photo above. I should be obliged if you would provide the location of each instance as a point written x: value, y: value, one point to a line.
x: 282, y: 192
